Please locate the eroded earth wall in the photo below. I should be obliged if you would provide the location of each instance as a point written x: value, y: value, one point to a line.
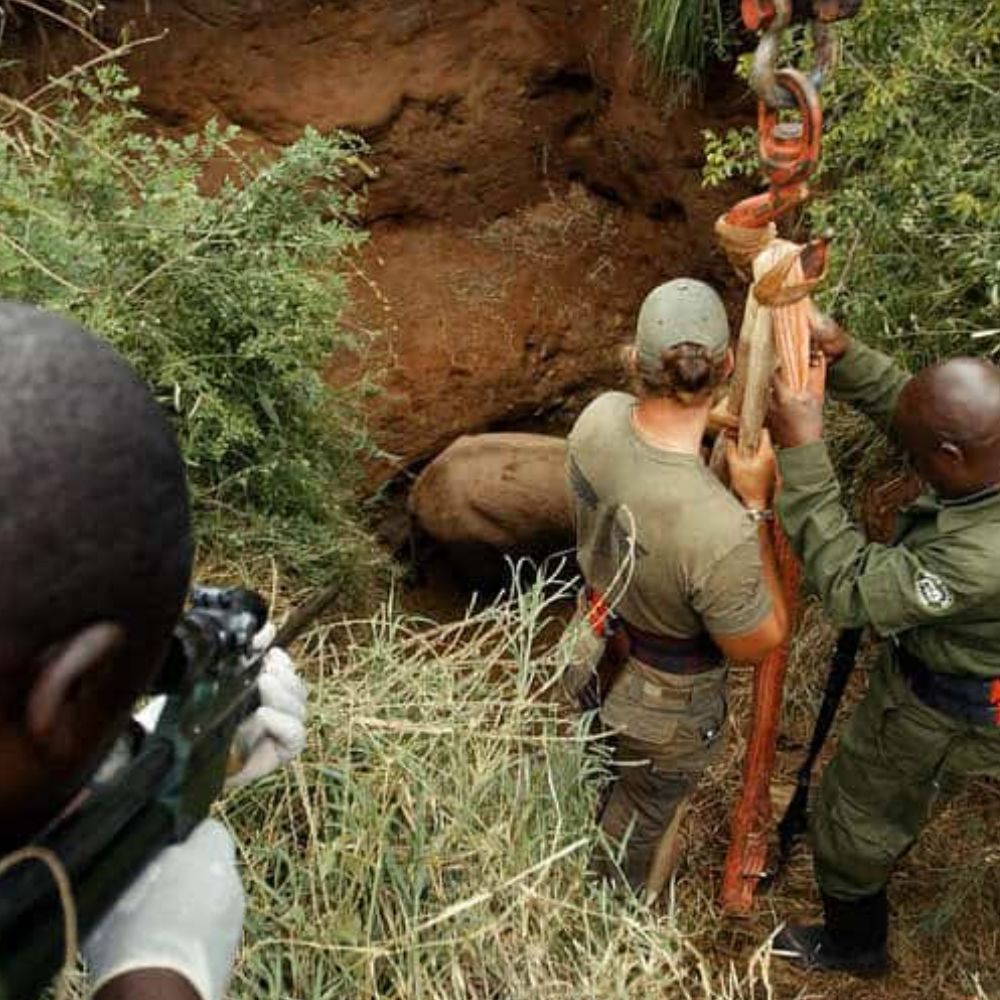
x: 528, y: 188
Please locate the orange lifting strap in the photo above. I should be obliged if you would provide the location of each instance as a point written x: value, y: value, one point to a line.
x: 775, y: 331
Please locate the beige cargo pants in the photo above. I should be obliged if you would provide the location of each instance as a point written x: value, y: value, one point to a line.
x: 665, y: 729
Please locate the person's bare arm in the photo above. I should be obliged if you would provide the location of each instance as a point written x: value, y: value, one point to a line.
x: 753, y: 481
x: 753, y: 646
x: 148, y: 984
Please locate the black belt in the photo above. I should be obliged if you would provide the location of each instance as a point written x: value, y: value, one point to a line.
x: 967, y: 699
x: 695, y: 655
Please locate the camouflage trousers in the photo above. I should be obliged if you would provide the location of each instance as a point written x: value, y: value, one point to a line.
x: 666, y: 729
x: 880, y: 788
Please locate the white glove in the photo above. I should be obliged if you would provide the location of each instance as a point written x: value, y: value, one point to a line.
x: 183, y: 913
x: 276, y: 733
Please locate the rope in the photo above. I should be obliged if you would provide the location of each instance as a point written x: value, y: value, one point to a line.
x: 741, y: 244
x: 66, y: 902
x: 622, y: 579
x: 775, y: 334
x: 782, y: 287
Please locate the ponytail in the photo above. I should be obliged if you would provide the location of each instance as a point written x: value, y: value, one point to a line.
x: 687, y: 372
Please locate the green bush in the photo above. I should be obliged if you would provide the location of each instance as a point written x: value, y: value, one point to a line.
x: 910, y: 177
x: 227, y: 303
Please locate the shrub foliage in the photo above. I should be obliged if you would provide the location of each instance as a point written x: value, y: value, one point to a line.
x: 910, y: 182
x: 226, y: 302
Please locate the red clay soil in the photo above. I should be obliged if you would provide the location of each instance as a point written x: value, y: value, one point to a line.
x: 529, y: 191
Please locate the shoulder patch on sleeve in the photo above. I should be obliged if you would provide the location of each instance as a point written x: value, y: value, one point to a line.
x: 932, y: 591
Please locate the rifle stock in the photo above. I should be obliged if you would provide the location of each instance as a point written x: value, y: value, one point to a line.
x: 103, y: 848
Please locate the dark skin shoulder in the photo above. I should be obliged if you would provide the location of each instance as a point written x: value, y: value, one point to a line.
x: 148, y: 984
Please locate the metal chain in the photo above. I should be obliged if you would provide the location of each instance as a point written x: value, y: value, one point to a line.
x: 789, y: 144
x: 763, y: 76
x: 773, y: 18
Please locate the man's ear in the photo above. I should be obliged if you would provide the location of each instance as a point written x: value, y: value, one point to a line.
x: 728, y: 363
x: 67, y: 686
x: 630, y: 360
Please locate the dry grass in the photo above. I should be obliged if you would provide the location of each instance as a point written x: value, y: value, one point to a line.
x: 543, y: 231
x: 433, y: 841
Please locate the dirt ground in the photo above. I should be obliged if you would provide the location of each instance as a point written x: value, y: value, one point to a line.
x: 527, y: 187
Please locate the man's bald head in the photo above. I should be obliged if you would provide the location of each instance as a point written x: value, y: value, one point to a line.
x: 948, y: 419
x: 94, y: 534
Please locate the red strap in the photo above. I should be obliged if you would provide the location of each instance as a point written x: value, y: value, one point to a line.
x: 597, y: 612
x: 995, y: 700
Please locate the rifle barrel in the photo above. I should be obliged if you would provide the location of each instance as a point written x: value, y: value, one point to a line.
x: 305, y: 615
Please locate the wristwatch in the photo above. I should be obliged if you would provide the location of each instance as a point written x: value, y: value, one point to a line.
x: 760, y: 515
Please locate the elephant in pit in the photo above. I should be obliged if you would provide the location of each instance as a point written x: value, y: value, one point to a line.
x: 488, y: 497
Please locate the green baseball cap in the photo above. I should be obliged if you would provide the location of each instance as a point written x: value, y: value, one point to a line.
x: 682, y: 311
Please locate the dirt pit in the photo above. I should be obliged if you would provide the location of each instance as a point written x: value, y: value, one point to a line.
x: 527, y: 187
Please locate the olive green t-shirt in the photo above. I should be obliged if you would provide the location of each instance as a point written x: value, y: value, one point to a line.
x: 697, y: 560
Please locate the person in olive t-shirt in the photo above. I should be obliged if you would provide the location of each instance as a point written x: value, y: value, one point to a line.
x: 688, y: 568
x: 932, y: 711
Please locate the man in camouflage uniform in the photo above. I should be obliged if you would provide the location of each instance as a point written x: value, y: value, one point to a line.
x: 932, y: 711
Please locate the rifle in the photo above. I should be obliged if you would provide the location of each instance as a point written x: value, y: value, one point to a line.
x: 795, y: 822
x: 156, y: 799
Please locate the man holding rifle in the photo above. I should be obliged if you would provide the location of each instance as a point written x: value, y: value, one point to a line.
x: 95, y: 542
x: 932, y: 711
